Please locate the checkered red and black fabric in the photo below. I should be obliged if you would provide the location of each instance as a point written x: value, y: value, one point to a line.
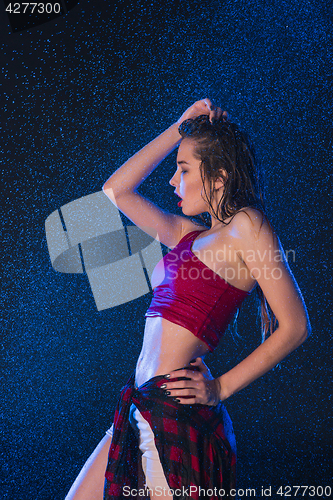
x: 191, y: 441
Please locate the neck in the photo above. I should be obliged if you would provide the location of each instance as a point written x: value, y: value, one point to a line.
x: 216, y: 222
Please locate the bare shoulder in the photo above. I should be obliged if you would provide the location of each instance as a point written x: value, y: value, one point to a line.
x: 251, y: 222
x: 254, y: 230
x: 249, y: 218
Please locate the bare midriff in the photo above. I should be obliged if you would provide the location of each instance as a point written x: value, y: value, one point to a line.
x: 166, y: 347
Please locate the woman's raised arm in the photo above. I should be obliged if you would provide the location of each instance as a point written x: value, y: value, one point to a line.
x: 122, y: 186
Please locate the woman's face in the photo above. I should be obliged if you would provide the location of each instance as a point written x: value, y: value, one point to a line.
x: 187, y: 180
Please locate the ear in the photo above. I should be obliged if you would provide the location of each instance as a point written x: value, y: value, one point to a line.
x: 221, y: 180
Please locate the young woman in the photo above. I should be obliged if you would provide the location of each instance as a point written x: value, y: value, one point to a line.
x: 171, y: 409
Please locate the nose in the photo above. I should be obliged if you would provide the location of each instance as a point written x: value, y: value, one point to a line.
x: 173, y: 180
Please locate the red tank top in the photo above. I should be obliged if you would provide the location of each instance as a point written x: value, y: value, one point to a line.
x: 192, y: 295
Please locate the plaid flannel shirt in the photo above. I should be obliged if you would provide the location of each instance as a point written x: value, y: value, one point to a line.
x: 191, y: 441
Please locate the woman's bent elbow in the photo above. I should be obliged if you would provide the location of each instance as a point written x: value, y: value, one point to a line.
x: 308, y: 330
x: 109, y: 191
x: 302, y: 327
x: 106, y: 186
x: 304, y: 333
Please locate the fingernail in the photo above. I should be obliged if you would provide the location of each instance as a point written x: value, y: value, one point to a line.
x: 176, y: 400
x: 167, y: 393
x: 167, y: 376
x: 192, y: 361
x: 163, y: 386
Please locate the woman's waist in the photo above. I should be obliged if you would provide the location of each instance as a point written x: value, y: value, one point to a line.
x: 165, y: 337
x: 166, y: 347
x: 158, y: 378
x: 147, y: 369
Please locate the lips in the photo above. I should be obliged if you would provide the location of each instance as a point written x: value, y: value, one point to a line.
x: 180, y: 202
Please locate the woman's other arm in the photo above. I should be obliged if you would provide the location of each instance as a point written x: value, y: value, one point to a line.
x: 264, y: 256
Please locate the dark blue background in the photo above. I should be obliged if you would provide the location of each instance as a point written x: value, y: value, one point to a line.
x: 80, y: 95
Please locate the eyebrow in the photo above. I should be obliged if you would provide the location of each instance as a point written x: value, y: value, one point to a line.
x: 181, y: 162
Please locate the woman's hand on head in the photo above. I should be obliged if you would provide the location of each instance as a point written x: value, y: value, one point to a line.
x: 203, y: 107
x: 201, y: 387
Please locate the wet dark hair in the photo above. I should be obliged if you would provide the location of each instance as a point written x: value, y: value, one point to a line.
x: 226, y: 152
